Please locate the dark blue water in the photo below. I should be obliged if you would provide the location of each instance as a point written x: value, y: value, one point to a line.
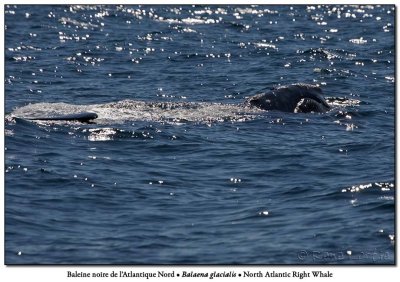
x: 190, y: 185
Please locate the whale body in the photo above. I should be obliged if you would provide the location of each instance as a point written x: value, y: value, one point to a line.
x: 81, y: 117
x: 295, y: 98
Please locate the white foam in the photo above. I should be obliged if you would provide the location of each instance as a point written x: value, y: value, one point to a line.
x: 130, y: 110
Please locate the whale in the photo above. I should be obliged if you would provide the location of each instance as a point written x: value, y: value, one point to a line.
x: 295, y: 98
x: 85, y: 117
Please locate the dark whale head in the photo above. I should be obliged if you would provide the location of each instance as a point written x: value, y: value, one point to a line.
x: 295, y: 98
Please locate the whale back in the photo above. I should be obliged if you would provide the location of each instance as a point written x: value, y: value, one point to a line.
x: 81, y: 117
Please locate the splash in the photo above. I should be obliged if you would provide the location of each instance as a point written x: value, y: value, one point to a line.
x: 131, y: 110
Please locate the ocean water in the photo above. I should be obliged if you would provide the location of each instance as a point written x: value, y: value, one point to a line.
x: 174, y: 171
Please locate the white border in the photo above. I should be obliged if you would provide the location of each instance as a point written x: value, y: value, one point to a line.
x: 59, y: 273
